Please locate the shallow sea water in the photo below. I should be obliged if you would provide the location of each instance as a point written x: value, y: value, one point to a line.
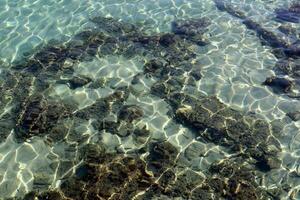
x: 233, y: 65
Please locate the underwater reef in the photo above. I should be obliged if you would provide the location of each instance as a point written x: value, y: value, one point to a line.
x: 151, y: 172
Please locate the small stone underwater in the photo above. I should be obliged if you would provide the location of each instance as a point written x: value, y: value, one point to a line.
x: 119, y: 112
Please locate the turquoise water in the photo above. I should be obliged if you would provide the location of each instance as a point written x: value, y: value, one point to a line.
x: 109, y: 99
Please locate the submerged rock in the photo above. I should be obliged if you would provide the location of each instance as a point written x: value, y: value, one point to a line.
x: 228, y: 179
x: 269, y: 38
x: 104, y: 175
x: 196, y: 74
x: 185, y: 183
x: 76, y: 82
x: 168, y: 39
x: 295, y: 116
x: 130, y: 112
x: 167, y: 86
x: 217, y: 123
x: 281, y: 46
x: 290, y: 67
x: 223, y: 5
x: 107, y: 175
x: 190, y: 27
x: 103, y: 106
x: 287, y: 15
x: 153, y: 65
x: 51, y: 54
x: 288, y: 30
x: 291, y: 14
x: 233, y: 180
x: 94, y: 154
x: 162, y: 155
x: 279, y: 84
x: 38, y: 116
x: 47, y: 195
x: 113, y: 26
x: 293, y: 50
x: 98, y: 83
x: 118, y: 177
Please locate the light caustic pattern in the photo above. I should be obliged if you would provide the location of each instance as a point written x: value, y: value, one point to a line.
x: 233, y: 66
